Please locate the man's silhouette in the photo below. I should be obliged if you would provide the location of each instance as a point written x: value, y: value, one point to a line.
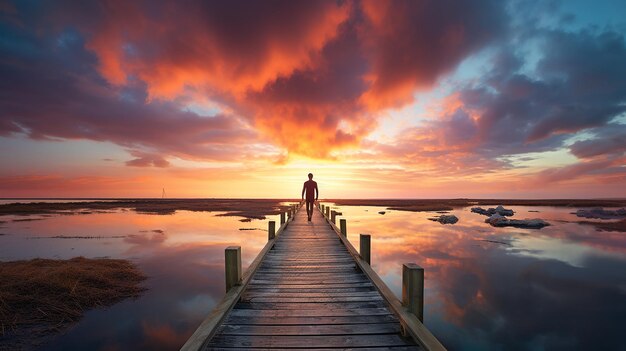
x: 310, y: 188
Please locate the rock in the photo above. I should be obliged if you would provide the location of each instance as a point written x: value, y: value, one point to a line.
x: 382, y: 212
x: 445, y: 219
x: 503, y: 211
x: 490, y: 211
x: 601, y: 213
x: 480, y: 210
x: 498, y: 220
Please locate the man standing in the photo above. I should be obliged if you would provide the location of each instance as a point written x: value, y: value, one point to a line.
x: 310, y: 188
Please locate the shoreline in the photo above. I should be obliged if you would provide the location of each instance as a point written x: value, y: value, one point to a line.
x: 260, y: 208
x: 247, y: 208
x: 450, y: 204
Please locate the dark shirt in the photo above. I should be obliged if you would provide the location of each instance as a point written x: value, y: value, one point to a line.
x: 310, y: 188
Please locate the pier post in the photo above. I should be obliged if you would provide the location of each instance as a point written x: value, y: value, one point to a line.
x: 289, y: 213
x: 322, y: 208
x: 413, y: 289
x: 365, y: 247
x: 232, y: 266
x: 282, y: 218
x: 271, y: 230
x: 333, y: 215
x: 342, y: 225
x: 327, y: 212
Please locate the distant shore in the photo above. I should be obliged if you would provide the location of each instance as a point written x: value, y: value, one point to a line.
x: 260, y: 208
x: 450, y: 204
x: 247, y: 208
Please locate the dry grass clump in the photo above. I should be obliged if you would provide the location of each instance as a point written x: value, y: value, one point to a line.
x: 42, y: 295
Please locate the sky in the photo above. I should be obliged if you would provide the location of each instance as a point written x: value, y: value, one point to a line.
x: 379, y: 99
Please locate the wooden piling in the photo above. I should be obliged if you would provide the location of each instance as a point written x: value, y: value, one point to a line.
x: 333, y: 216
x: 327, y: 212
x: 365, y: 247
x: 413, y: 289
x: 342, y: 225
x: 271, y: 230
x: 232, y: 266
x: 282, y: 218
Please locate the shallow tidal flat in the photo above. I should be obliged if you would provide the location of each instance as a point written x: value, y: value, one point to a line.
x: 486, y: 287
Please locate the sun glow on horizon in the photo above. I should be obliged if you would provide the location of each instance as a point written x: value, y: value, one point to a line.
x: 376, y: 98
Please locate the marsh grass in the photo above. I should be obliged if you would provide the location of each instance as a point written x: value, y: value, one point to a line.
x: 43, y: 296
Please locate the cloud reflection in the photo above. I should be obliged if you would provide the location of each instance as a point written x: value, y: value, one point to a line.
x: 484, y: 292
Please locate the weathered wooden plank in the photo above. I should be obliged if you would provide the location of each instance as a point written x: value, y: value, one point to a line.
x: 311, y: 274
x: 307, y: 341
x: 310, y: 243
x: 308, y: 294
x: 290, y: 320
x: 303, y: 280
x: 309, y: 286
x: 310, y: 269
x: 309, y: 281
x: 264, y: 289
x: 295, y: 265
x: 341, y: 312
x: 318, y: 306
x: 324, y: 329
x: 310, y: 300
x: 382, y: 348
x: 325, y: 240
x: 307, y: 261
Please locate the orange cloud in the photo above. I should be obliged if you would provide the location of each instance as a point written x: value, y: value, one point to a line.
x: 311, y: 76
x: 229, y: 49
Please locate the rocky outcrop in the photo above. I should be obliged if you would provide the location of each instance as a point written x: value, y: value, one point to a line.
x: 498, y: 220
x: 491, y: 211
x: 445, y: 219
x: 600, y: 213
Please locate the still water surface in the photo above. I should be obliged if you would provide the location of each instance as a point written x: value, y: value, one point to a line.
x: 559, y: 288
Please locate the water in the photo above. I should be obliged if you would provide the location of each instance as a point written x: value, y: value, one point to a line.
x: 182, y: 254
x: 561, y: 287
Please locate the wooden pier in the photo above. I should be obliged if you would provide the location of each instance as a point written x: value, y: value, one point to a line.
x: 310, y: 289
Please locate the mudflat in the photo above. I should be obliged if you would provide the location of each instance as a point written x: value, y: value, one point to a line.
x: 248, y: 208
x: 450, y: 204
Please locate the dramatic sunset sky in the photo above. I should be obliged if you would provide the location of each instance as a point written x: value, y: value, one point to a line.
x: 379, y: 99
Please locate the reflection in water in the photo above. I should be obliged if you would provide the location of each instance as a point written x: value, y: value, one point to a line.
x: 182, y: 254
x: 561, y: 287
